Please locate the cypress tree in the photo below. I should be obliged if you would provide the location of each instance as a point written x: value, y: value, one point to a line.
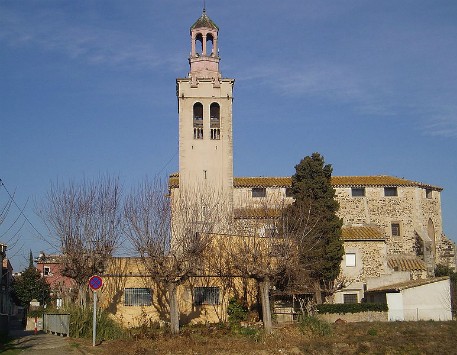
x: 313, y: 221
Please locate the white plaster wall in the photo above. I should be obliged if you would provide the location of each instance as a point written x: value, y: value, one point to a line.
x: 428, y: 302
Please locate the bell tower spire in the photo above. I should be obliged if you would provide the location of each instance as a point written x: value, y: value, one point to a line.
x: 205, y: 116
x: 204, y: 56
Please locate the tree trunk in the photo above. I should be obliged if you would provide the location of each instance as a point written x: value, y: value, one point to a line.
x: 266, y: 311
x: 317, y: 292
x: 174, y: 308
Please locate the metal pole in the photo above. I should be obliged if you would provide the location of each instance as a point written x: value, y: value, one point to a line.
x: 94, y: 323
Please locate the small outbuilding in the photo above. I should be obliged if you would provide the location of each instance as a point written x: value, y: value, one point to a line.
x: 422, y: 299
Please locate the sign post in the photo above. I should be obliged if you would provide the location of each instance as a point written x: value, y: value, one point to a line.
x: 95, y: 283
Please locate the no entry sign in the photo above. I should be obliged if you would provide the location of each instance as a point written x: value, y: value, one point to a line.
x: 95, y: 282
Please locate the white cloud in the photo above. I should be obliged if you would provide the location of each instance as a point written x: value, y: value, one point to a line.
x: 85, y: 42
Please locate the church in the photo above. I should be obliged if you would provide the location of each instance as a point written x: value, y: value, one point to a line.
x: 392, y: 227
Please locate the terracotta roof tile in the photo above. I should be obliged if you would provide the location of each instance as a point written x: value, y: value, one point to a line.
x: 362, y: 233
x: 337, y: 181
x: 406, y: 263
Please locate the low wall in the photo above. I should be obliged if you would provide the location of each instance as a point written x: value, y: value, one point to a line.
x: 369, y: 316
x: 4, y: 324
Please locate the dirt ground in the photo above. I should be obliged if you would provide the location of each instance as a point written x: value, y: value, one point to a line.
x: 349, y: 338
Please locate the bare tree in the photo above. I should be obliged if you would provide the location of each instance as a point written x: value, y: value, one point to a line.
x: 171, y: 231
x: 86, y: 221
x: 258, y: 251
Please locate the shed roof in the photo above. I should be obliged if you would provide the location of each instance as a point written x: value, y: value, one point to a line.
x: 407, y: 284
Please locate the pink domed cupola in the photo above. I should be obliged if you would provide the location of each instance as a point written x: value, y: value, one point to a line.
x: 204, y: 57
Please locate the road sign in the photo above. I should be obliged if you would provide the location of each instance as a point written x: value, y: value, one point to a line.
x: 95, y: 282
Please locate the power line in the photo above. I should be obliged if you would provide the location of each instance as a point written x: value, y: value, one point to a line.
x: 21, y: 212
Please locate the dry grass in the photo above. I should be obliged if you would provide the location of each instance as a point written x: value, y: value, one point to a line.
x: 350, y: 338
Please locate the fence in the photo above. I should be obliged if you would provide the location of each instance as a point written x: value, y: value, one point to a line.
x: 57, y: 324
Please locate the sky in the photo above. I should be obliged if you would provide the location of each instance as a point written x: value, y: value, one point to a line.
x: 87, y: 89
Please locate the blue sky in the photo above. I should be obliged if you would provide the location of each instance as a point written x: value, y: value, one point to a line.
x: 87, y: 88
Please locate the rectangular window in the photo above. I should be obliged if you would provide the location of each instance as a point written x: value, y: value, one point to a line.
x: 350, y: 259
x: 206, y: 295
x: 390, y: 191
x: 137, y: 297
x: 46, y: 271
x: 289, y: 192
x: 428, y: 193
x: 259, y: 192
x: 358, y: 191
x: 395, y: 229
x: 350, y: 298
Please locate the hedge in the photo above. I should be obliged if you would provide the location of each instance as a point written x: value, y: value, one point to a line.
x: 342, y: 308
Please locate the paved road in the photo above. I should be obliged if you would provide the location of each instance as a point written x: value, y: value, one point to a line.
x: 42, y: 343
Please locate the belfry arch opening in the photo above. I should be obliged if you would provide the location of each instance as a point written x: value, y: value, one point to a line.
x: 198, y: 120
x: 209, y: 44
x: 215, y: 120
x: 199, y: 44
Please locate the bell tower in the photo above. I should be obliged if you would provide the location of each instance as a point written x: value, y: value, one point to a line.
x: 205, y: 115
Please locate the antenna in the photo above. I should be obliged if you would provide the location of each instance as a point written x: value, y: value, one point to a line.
x: 204, y: 5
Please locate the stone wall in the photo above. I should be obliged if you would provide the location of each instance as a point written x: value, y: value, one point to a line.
x: 355, y: 317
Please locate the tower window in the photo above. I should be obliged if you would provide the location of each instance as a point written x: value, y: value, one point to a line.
x: 198, y: 120
x: 428, y: 193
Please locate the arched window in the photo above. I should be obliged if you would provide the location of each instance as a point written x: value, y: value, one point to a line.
x: 198, y: 120
x: 215, y: 121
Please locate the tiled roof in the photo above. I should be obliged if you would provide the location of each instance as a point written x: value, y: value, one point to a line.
x: 406, y: 263
x: 337, y: 181
x: 407, y: 284
x: 262, y: 181
x: 361, y: 233
x: 204, y: 21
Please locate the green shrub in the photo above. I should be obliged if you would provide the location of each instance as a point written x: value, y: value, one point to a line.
x: 342, y: 308
x: 237, y: 311
x: 315, y: 325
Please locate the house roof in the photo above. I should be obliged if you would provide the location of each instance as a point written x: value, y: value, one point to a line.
x: 337, y: 181
x: 406, y: 263
x: 407, y: 284
x: 361, y: 233
x: 204, y: 21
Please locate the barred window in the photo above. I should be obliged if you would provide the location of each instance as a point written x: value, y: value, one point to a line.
x: 395, y: 229
x: 137, y: 297
x: 390, y: 191
x: 206, y: 295
x: 350, y: 298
